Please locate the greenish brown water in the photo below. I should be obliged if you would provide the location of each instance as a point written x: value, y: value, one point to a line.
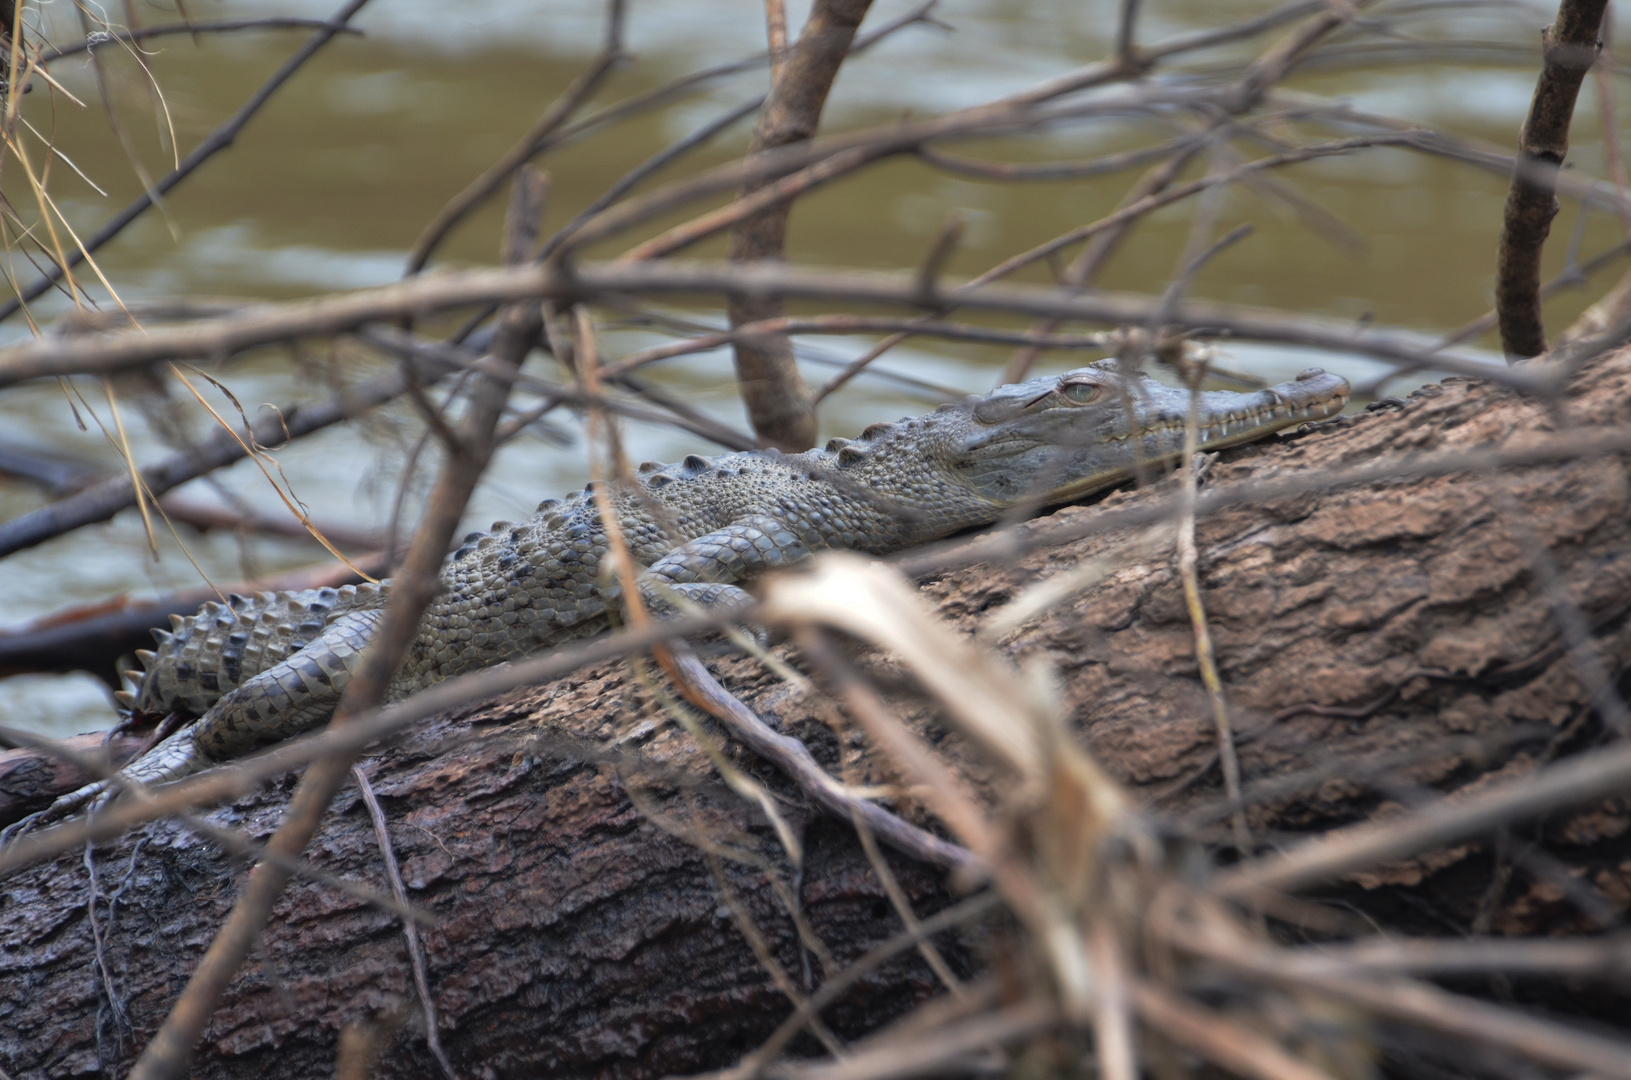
x: 330, y: 185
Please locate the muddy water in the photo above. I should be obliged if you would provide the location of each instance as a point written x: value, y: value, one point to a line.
x: 328, y: 187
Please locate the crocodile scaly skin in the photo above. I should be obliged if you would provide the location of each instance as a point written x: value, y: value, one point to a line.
x: 268, y: 667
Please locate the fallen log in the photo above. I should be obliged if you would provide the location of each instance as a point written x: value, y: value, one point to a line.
x: 1426, y: 635
x: 30, y: 779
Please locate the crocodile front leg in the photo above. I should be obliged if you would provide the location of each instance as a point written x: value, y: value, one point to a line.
x: 706, y: 570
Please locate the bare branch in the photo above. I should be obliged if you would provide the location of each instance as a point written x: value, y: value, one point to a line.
x: 217, y: 140
x: 223, y: 26
x: 220, y: 447
x: 267, y: 323
x: 778, y: 403
x: 1570, y: 48
x: 528, y: 147
x: 1568, y: 783
x: 167, y: 1054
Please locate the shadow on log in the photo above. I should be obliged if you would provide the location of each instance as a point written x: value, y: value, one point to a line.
x: 1379, y: 645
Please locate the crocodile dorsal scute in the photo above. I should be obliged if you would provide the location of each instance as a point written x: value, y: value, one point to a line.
x: 265, y: 668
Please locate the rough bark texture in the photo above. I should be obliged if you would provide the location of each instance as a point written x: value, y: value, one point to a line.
x: 574, y: 937
x: 577, y: 938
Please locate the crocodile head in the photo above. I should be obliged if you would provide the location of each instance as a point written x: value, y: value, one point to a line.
x: 1063, y: 437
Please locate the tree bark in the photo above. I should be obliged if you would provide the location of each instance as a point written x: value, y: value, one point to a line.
x: 777, y: 399
x: 1569, y: 47
x: 1379, y: 642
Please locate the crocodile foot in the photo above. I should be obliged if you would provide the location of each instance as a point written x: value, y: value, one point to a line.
x: 90, y: 798
x: 665, y: 600
x: 171, y: 759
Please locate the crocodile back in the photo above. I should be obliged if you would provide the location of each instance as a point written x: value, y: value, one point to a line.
x: 209, y: 654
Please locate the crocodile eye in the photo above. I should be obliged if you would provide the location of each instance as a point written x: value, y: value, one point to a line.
x: 1082, y: 393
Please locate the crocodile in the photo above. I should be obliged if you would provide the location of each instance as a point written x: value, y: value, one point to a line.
x: 258, y: 669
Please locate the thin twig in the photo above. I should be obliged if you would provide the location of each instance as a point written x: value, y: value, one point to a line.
x: 776, y: 37
x: 903, y: 907
x: 1569, y: 783
x: 1097, y: 251
x: 167, y: 1055
x: 1227, y: 1044
x: 1189, y: 559
x: 935, y: 1053
x: 793, y: 758
x: 966, y: 911
x: 102, y: 500
x: 1412, y: 1002
x: 1112, y: 1016
x: 265, y: 323
x: 654, y: 164
x: 416, y: 950
x: 529, y: 145
x: 663, y: 94
x: 1607, y: 958
x: 222, y: 26
x: 232, y: 841
x: 217, y: 140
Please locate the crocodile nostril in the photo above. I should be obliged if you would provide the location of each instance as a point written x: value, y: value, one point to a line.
x: 1309, y: 373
